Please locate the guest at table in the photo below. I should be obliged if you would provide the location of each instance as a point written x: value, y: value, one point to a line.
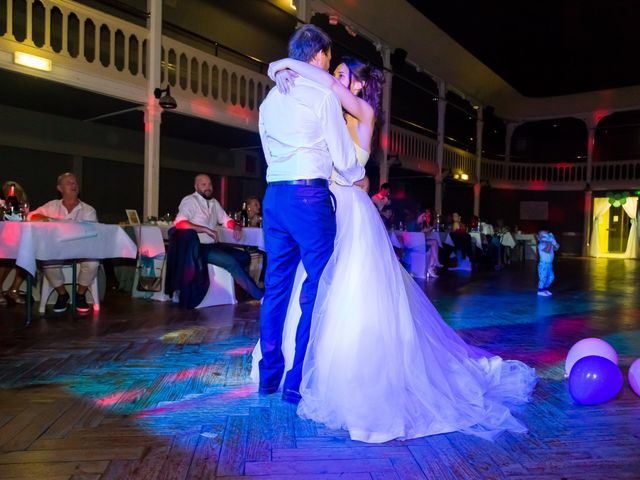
x: 201, y: 212
x: 70, y: 208
x: 258, y: 257
x: 460, y: 236
x: 254, y: 211
x: 13, y: 295
x: 425, y: 223
x: 381, y: 199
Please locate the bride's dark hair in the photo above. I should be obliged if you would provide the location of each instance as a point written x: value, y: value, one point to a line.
x: 372, y: 80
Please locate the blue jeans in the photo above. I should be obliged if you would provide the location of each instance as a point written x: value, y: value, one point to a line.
x: 234, y: 261
x: 299, y: 224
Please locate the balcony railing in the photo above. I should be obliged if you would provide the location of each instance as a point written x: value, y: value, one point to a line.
x: 78, y: 39
x: 418, y: 152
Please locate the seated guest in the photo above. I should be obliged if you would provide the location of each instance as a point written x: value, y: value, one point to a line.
x: 6, y: 265
x: 425, y: 224
x: 456, y: 223
x: 459, y: 236
x: 202, y: 213
x: 69, y: 207
x: 254, y: 211
x: 381, y: 199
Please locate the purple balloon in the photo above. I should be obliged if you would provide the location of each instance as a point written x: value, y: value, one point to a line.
x: 594, y: 380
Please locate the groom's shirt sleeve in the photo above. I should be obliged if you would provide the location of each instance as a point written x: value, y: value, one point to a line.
x: 339, y: 142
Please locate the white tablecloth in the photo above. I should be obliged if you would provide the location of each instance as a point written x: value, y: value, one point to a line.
x: 479, y: 239
x: 415, y: 252
x: 251, y: 236
x: 531, y: 245
x: 27, y: 242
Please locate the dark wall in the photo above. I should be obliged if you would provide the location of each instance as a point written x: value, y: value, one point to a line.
x: 35, y: 170
x: 566, y: 213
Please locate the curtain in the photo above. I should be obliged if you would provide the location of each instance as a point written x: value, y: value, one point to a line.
x: 600, y: 206
x: 631, y: 208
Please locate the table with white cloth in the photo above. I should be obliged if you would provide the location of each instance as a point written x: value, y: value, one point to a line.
x: 479, y: 239
x: 27, y: 242
x: 415, y: 252
x: 530, y: 242
x: 251, y: 236
x: 151, y: 243
x: 486, y: 228
x: 441, y: 238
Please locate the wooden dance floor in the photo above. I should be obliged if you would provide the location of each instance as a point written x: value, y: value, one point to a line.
x: 145, y: 390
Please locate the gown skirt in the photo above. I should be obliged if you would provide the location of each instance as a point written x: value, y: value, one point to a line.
x: 381, y: 362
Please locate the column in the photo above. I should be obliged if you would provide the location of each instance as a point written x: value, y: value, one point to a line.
x: 592, y: 123
x: 511, y: 127
x: 476, y: 185
x: 588, y: 209
x: 386, y: 113
x: 152, y: 112
x: 303, y: 10
x: 442, y: 110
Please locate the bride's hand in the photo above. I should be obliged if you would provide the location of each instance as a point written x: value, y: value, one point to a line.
x: 285, y: 79
x: 277, y: 66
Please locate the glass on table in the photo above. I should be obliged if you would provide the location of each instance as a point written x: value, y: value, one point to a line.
x: 24, y: 210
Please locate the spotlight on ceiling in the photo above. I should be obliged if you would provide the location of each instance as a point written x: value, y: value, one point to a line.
x: 166, y: 101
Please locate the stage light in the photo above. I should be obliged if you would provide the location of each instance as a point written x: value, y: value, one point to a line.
x: 32, y: 61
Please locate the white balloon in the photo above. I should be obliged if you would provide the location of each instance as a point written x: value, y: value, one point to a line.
x: 587, y: 347
x: 634, y: 376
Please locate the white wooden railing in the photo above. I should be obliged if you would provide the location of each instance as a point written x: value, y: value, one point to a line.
x: 417, y: 152
x: 99, y: 52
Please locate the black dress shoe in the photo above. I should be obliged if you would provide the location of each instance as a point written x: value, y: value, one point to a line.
x: 291, y: 396
x: 267, y: 390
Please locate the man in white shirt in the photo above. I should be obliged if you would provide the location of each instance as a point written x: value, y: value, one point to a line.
x: 381, y: 199
x: 202, y: 213
x: 304, y: 138
x: 69, y: 208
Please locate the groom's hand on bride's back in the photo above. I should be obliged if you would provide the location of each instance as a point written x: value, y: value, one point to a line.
x: 363, y: 183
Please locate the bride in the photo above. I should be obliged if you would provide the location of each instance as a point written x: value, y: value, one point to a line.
x: 381, y: 362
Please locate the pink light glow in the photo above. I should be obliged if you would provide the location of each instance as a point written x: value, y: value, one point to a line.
x: 239, y: 351
x: 202, y: 107
x: 124, y: 396
x: 536, y: 185
x: 242, y: 391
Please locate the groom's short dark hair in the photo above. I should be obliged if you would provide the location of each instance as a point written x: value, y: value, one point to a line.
x: 307, y: 41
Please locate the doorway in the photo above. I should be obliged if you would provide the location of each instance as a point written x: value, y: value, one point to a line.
x: 619, y: 224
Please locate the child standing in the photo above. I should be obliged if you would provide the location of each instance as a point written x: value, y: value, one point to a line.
x: 547, y: 247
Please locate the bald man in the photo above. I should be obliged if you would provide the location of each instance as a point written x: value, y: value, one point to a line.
x: 202, y: 213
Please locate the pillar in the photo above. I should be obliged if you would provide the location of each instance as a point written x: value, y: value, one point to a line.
x: 152, y: 112
x: 478, y: 169
x: 442, y: 110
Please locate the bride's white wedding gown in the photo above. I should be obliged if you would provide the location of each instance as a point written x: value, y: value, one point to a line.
x: 381, y: 362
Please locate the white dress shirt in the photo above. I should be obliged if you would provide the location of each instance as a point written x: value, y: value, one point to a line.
x: 304, y: 135
x: 82, y: 212
x: 200, y: 211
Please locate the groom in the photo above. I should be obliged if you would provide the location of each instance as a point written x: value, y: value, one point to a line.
x: 304, y: 137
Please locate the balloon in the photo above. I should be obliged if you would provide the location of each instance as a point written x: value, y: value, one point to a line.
x: 594, y: 380
x: 586, y: 347
x: 634, y: 376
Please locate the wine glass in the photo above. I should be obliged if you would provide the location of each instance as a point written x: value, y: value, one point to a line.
x: 24, y: 210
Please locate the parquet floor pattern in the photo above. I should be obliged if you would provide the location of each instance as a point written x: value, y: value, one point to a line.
x: 143, y: 390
